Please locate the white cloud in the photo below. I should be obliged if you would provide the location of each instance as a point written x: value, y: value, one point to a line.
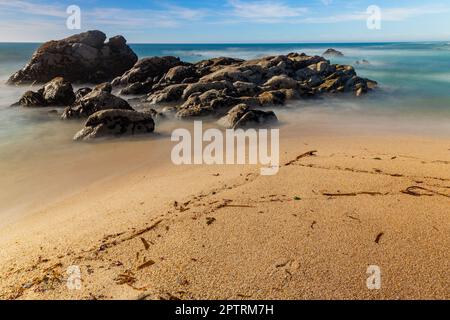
x: 33, y: 8
x: 265, y: 11
x: 387, y: 14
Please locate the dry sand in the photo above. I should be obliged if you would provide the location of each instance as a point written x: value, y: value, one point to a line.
x: 157, y: 231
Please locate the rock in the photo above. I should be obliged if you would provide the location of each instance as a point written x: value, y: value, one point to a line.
x: 278, y: 97
x: 116, y: 123
x: 80, y: 58
x: 212, y: 65
x: 363, y: 62
x: 233, y: 116
x: 212, y: 102
x: 171, y: 93
x: 333, y: 53
x: 106, y: 86
x: 242, y: 117
x: 57, y: 92
x: 246, y: 88
x: 95, y: 101
x: 32, y: 99
x: 256, y: 118
x: 201, y: 87
x: 281, y: 82
x: 137, y: 88
x: 148, y: 69
x: 80, y: 93
x: 178, y: 74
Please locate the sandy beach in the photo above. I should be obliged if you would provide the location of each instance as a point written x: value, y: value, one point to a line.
x: 344, y: 199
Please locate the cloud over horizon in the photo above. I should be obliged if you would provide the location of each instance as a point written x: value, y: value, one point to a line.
x: 226, y: 21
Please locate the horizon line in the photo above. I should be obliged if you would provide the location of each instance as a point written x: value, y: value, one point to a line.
x: 221, y: 43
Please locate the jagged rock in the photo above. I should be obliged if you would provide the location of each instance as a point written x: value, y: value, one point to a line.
x: 212, y: 65
x: 80, y: 93
x: 178, y: 74
x: 80, y: 58
x: 256, y: 118
x: 171, y: 93
x: 333, y: 53
x: 116, y: 123
x: 106, y: 86
x: 137, y: 88
x: 31, y: 99
x: 212, y: 102
x: 242, y: 117
x: 232, y: 117
x: 58, y: 92
x: 281, y: 82
x: 246, y: 88
x: 95, y: 101
x: 278, y: 97
x: 201, y: 87
x: 148, y: 69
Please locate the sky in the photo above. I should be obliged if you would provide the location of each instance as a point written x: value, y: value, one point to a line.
x: 230, y: 21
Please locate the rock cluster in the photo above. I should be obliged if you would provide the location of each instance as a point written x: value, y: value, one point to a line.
x: 116, y: 123
x: 228, y: 89
x: 213, y: 87
x: 82, y: 58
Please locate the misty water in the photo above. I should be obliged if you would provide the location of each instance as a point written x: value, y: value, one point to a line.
x: 38, y: 158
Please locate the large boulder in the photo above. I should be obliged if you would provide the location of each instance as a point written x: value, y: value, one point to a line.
x: 96, y: 100
x: 116, y: 123
x: 82, y: 58
x: 148, y: 69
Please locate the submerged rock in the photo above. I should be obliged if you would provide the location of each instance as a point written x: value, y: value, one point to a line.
x: 116, y: 123
x: 57, y: 92
x: 333, y: 53
x: 80, y: 58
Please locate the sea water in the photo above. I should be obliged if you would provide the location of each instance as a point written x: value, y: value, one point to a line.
x: 38, y: 158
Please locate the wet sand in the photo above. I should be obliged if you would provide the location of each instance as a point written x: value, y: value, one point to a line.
x: 349, y: 194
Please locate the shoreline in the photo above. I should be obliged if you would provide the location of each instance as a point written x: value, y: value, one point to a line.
x: 218, y: 221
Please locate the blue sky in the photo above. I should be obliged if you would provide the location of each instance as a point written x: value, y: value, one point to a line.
x: 225, y: 21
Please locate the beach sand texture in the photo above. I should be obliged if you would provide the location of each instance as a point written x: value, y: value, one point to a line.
x: 336, y: 206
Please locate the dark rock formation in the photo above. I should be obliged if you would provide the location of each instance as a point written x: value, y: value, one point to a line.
x: 241, y: 116
x: 57, y: 92
x: 82, y: 58
x: 116, y: 123
x: 147, y: 70
x: 333, y: 53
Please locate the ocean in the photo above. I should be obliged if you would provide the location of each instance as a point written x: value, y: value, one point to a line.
x: 414, y: 86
